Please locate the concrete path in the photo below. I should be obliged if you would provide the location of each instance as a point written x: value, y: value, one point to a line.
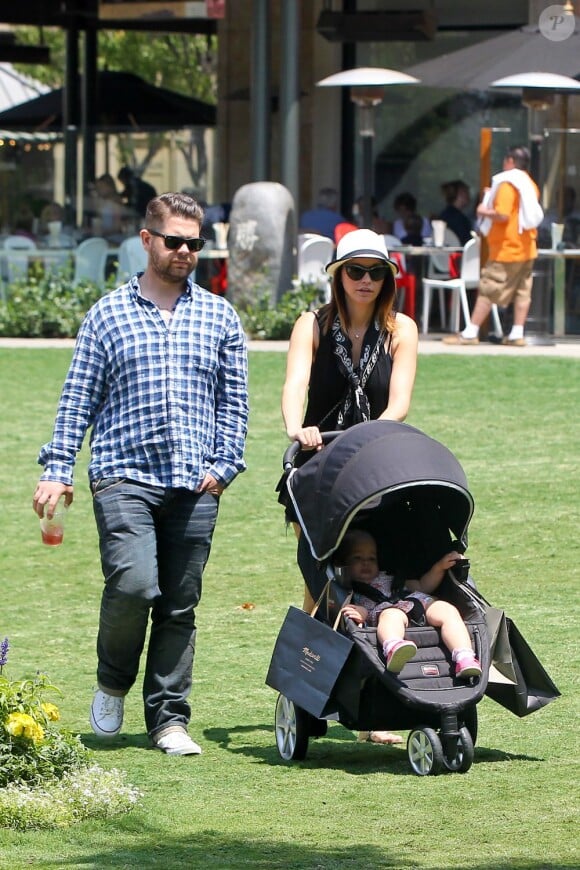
x: 434, y: 345
x: 431, y: 344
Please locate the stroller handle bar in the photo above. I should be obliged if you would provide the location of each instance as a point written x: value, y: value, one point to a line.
x: 293, y: 450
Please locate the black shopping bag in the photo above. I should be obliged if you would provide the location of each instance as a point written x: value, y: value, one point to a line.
x: 517, y: 679
x: 308, y: 660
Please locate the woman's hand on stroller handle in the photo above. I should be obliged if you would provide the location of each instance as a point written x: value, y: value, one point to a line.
x: 296, y: 446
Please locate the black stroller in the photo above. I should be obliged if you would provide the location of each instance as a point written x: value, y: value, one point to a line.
x: 411, y: 494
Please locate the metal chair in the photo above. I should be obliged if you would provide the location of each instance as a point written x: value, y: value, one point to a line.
x: 132, y: 258
x: 90, y: 260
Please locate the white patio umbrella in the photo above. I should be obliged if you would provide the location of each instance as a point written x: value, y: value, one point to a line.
x: 477, y: 66
x: 366, y: 84
x: 538, y: 90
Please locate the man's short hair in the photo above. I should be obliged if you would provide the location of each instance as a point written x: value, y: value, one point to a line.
x: 327, y: 198
x: 520, y: 155
x: 180, y: 204
x: 405, y: 200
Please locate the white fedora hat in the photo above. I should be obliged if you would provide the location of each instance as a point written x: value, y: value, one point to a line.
x: 361, y: 243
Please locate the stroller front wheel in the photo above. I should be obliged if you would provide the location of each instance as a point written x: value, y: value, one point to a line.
x: 291, y: 726
x: 459, y: 754
x: 425, y: 752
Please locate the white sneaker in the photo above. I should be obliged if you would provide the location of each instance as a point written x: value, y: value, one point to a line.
x: 106, y: 715
x: 177, y: 742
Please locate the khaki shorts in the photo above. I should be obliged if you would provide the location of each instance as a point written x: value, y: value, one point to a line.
x: 503, y: 282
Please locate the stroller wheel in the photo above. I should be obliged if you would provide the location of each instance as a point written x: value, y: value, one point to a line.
x: 470, y: 722
x: 459, y: 752
x: 291, y: 725
x: 425, y: 752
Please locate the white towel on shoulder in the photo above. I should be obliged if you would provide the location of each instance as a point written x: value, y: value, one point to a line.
x: 531, y: 213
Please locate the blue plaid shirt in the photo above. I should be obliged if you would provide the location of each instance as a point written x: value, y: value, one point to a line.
x: 167, y: 403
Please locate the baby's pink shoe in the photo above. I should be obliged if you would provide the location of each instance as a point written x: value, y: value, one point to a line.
x: 467, y: 666
x: 399, y: 654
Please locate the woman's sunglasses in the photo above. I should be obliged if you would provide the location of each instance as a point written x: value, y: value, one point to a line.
x: 173, y: 243
x: 376, y: 273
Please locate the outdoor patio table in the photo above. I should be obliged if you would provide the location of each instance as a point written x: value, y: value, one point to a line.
x: 559, y: 259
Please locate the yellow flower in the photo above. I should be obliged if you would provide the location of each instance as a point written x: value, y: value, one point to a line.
x: 23, y: 725
x: 51, y: 711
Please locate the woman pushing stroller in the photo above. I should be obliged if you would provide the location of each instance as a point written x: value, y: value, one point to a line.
x: 354, y: 359
x: 412, y: 604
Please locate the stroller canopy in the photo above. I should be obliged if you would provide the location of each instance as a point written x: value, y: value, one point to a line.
x: 392, y: 473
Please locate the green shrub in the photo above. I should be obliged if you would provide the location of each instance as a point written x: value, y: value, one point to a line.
x: 46, y: 306
x: 32, y: 747
x: 265, y: 321
x: 47, y: 778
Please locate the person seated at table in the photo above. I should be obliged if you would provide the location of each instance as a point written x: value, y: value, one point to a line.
x: 52, y: 211
x: 456, y: 195
x: 136, y: 192
x: 24, y: 222
x: 51, y: 228
x: 405, y: 205
x: 570, y: 219
x: 106, y: 212
x: 378, y: 224
x: 413, y: 225
x: 324, y: 217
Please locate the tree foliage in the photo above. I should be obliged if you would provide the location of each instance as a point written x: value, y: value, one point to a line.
x: 182, y: 62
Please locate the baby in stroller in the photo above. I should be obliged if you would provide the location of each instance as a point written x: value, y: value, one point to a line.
x: 378, y: 601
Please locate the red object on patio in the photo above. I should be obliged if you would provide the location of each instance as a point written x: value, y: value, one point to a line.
x: 407, y: 281
x: 342, y: 229
x: 219, y: 282
x: 454, y: 264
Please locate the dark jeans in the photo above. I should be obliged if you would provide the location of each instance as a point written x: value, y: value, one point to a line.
x: 154, y: 545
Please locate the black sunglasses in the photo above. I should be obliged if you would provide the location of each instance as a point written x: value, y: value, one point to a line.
x: 173, y: 243
x: 377, y: 273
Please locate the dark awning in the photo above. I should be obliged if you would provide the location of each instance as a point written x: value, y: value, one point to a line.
x: 124, y: 102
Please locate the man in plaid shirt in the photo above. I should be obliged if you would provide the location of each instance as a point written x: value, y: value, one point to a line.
x: 159, y: 372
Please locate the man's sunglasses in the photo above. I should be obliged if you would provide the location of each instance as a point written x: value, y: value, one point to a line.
x: 377, y: 273
x: 173, y: 243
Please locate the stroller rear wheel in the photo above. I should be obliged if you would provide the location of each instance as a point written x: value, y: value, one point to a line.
x: 291, y: 725
x: 425, y: 752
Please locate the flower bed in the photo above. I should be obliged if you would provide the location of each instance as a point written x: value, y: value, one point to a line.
x: 47, y: 776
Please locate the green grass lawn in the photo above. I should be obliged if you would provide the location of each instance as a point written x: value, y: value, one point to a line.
x: 513, y: 424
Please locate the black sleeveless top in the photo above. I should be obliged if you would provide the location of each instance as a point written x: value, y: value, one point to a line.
x: 328, y: 386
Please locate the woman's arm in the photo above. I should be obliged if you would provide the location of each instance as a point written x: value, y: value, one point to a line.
x: 301, y: 350
x: 404, y: 351
x: 433, y: 577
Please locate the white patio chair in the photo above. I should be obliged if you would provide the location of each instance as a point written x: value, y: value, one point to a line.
x: 90, y: 259
x: 132, y: 258
x: 313, y: 256
x: 468, y: 279
x: 17, y: 257
x: 392, y: 241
